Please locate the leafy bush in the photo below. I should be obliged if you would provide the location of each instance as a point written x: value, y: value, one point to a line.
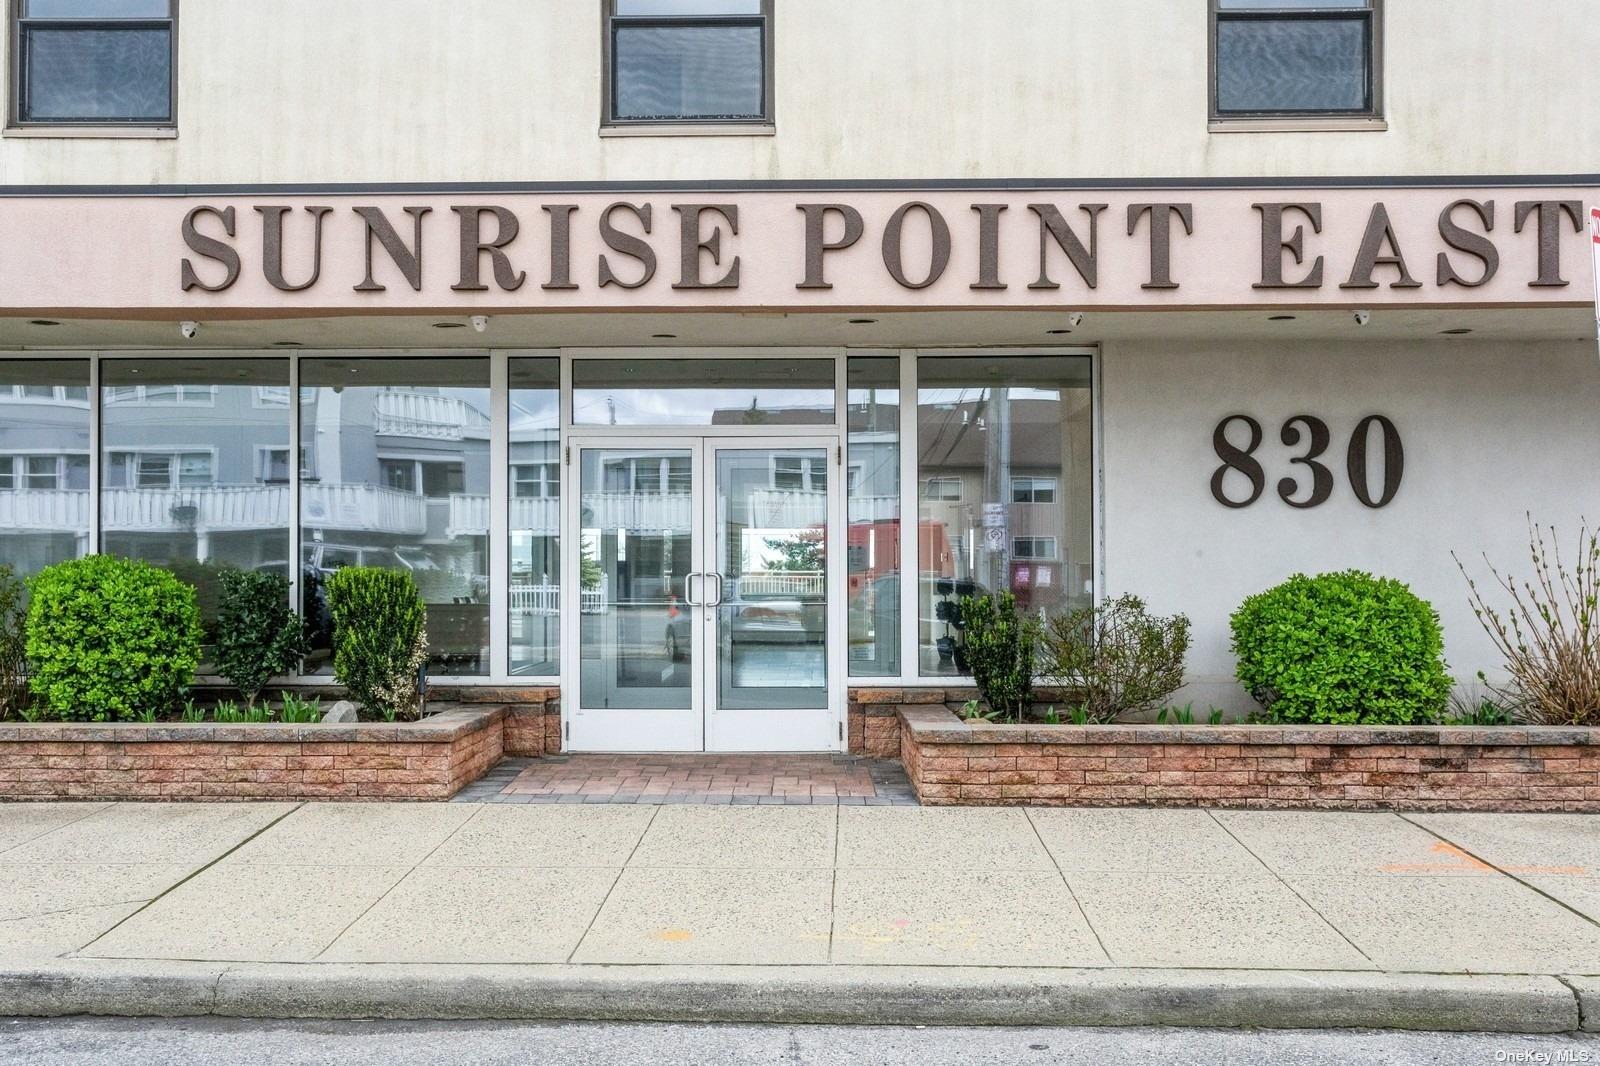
x: 13, y: 645
x: 110, y: 638
x: 1116, y: 657
x: 1342, y: 648
x: 999, y: 649
x: 258, y: 633
x: 1549, y: 632
x: 379, y: 641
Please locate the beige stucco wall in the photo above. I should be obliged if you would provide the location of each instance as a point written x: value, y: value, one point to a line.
x: 486, y: 90
x: 1492, y: 432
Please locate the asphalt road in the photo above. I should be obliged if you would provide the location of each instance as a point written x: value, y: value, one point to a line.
x: 127, y: 1042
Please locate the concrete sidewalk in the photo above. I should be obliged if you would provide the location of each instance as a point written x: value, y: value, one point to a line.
x: 885, y: 914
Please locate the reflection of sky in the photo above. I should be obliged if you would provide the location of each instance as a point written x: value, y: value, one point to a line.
x: 932, y: 396
x: 533, y: 409
x: 688, y: 407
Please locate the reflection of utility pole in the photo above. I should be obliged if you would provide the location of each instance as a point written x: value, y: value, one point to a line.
x: 997, y: 494
x: 611, y: 410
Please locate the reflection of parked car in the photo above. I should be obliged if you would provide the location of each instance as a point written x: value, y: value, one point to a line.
x: 757, y: 615
x: 876, y: 607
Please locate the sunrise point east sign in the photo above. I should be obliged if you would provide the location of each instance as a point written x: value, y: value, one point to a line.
x: 922, y: 249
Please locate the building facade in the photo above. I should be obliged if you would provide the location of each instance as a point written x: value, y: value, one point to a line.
x: 696, y: 356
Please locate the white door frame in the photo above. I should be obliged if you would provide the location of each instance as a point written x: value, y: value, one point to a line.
x: 702, y: 726
x: 781, y: 729
x: 614, y: 729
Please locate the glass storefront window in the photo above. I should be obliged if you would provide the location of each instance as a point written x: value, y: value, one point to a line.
x: 702, y: 392
x: 395, y: 457
x: 535, y: 518
x: 872, y: 475
x: 182, y: 488
x: 1005, y: 476
x: 44, y: 462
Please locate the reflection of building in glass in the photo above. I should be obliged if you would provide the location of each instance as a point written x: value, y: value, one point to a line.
x: 1004, y: 488
x: 44, y: 462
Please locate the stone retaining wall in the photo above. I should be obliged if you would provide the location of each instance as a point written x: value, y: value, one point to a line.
x: 1491, y: 768
x: 430, y: 759
x: 533, y: 715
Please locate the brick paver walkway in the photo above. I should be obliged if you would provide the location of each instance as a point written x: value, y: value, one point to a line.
x: 730, y: 779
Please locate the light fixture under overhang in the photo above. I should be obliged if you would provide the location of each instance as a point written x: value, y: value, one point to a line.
x: 664, y: 336
x: 1057, y: 332
x: 43, y: 322
x: 862, y: 321
x: 449, y: 325
x: 1456, y: 332
x: 1280, y: 318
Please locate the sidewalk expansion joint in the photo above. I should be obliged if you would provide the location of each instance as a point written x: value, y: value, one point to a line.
x: 1577, y: 997
x: 1501, y: 870
x: 190, y: 876
x: 595, y: 917
x: 1028, y: 817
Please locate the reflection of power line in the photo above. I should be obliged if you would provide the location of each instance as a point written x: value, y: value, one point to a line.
x: 979, y: 409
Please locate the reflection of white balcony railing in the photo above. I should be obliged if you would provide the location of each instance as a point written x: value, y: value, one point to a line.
x: 806, y: 584
x: 546, y: 599
x: 220, y: 508
x: 469, y: 514
x: 413, y: 414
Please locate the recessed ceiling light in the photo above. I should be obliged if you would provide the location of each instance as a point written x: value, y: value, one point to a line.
x: 449, y: 325
x: 43, y: 322
x: 664, y: 336
x: 1458, y: 331
x: 1280, y: 318
x: 862, y: 321
x: 286, y: 344
x: 1057, y: 332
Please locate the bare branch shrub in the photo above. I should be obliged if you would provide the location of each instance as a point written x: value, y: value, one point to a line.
x: 1548, y: 630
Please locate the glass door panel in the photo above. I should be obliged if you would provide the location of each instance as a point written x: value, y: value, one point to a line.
x: 637, y: 635
x: 770, y: 511
x: 770, y: 545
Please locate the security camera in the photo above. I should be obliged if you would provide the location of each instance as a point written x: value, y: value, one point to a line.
x: 1075, y: 319
x: 479, y: 322
x: 190, y: 330
x: 1363, y: 317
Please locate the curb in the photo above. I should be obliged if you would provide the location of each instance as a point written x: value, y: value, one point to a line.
x: 843, y: 995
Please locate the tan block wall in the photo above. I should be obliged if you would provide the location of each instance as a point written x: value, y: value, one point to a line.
x: 1430, y: 769
x: 213, y: 768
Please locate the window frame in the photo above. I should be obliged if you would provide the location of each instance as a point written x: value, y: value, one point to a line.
x: 18, y: 126
x: 613, y: 126
x: 1370, y: 117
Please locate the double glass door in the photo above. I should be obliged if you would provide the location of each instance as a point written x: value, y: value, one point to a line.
x: 703, y: 566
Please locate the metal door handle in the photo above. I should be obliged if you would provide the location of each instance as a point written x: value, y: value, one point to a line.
x: 718, y: 601
x: 688, y: 587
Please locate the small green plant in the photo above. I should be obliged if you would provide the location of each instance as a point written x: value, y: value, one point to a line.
x: 13, y: 644
x: 110, y: 638
x: 1185, y: 715
x: 379, y: 640
x: 1052, y: 716
x: 1214, y: 716
x: 299, y: 711
x: 149, y: 715
x: 999, y: 648
x: 973, y: 711
x: 1479, y: 705
x: 1080, y: 715
x: 1116, y: 657
x: 259, y: 636
x: 227, y: 712
x: 193, y: 712
x: 1342, y: 648
x: 257, y: 712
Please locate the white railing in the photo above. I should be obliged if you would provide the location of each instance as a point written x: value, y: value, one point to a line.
x: 420, y: 414
x: 629, y: 510
x: 44, y: 510
x: 219, y: 508
x: 807, y: 584
x: 546, y: 599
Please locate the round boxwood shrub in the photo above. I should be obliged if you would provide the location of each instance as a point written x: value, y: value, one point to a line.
x: 110, y: 638
x: 1342, y: 648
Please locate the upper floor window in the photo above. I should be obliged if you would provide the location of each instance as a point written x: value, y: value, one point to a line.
x: 93, y: 62
x: 688, y: 61
x: 1295, y: 59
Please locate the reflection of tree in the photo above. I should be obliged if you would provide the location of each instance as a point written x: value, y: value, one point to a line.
x: 589, y: 571
x: 755, y: 416
x: 801, y: 553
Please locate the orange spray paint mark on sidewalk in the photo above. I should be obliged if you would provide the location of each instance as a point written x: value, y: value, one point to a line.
x: 1465, y: 863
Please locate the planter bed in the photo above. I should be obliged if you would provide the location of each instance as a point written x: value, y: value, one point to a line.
x: 1413, y: 768
x: 430, y: 759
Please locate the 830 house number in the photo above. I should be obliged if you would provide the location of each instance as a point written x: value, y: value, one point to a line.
x: 1312, y: 433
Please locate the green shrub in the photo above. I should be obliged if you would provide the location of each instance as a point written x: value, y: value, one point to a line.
x: 13, y: 645
x: 999, y: 648
x: 110, y: 638
x: 258, y: 633
x: 1115, y: 658
x: 379, y: 641
x: 1342, y: 648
